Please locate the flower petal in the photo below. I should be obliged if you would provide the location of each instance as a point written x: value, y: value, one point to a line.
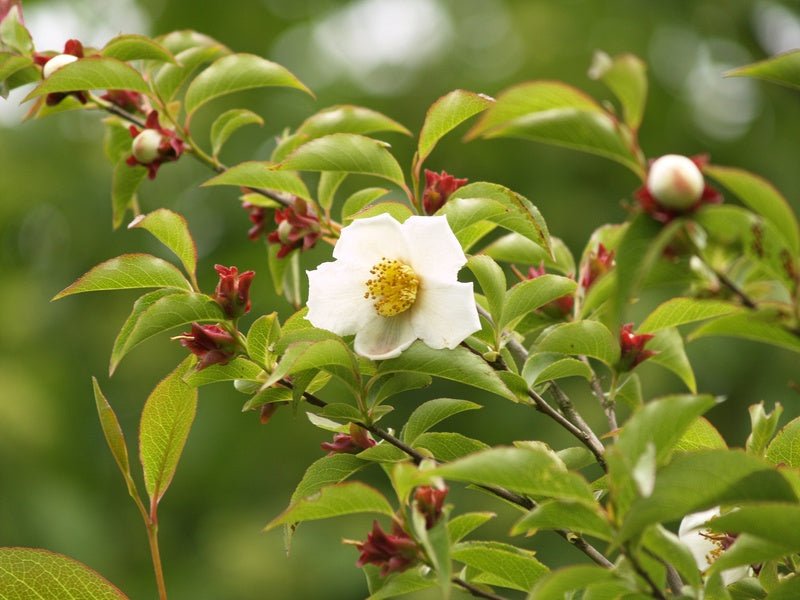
x: 444, y: 314
x: 336, y: 298
x: 435, y: 251
x: 365, y: 241
x: 385, y: 337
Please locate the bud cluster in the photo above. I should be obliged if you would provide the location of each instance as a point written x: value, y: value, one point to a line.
x: 154, y: 145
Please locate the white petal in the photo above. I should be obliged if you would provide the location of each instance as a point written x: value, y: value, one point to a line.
x: 385, y: 337
x: 689, y: 533
x: 366, y: 241
x: 336, y: 298
x: 444, y: 314
x: 732, y: 575
x: 435, y: 251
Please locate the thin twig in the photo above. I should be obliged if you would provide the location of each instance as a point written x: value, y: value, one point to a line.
x: 569, y: 411
x: 733, y: 287
x: 605, y: 401
x: 657, y: 592
x: 476, y: 591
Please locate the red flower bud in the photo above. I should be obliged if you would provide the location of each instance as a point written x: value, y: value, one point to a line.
x: 257, y: 216
x: 154, y: 145
x: 233, y: 291
x: 564, y: 304
x: 73, y: 51
x: 210, y: 343
x: 430, y: 501
x: 391, y: 552
x: 298, y: 228
x: 357, y: 440
x: 600, y: 262
x: 127, y: 100
x: 438, y: 187
x: 632, y: 347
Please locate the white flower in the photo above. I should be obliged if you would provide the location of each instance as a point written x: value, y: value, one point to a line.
x: 145, y: 146
x: 55, y: 63
x: 675, y: 181
x: 391, y: 284
x: 707, y: 546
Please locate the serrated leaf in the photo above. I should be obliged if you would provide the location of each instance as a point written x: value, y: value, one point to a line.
x: 749, y: 326
x: 778, y: 523
x: 546, y: 366
x: 167, y: 417
x: 559, y: 514
x: 447, y: 113
x: 128, y: 271
x: 700, y: 435
x: 461, y: 526
x: 397, y: 383
x: 762, y: 427
x: 524, y: 470
x: 169, y: 78
x: 125, y: 180
x: 331, y: 355
x: 626, y: 76
x: 257, y: 174
x: 785, y: 447
x: 167, y: 313
x: 268, y: 396
x: 238, y: 369
x: 670, y: 354
x: 514, y: 248
x: 334, y: 501
x: 587, y: 338
x: 447, y: 446
x: 493, y: 284
x: 400, y: 212
x: 235, y: 73
x: 529, y: 295
x: 558, y: 584
x: 136, y: 47
x: 697, y: 481
x: 679, y: 311
x: 45, y: 575
x: 360, y: 200
x: 172, y: 230
x: 783, y: 69
x: 225, y: 125
x: 762, y: 197
x: 458, y: 364
x: 516, y: 568
x: 262, y: 337
x: 428, y: 414
x: 93, y: 73
x: 399, y: 584
x: 326, y: 471
x: 345, y: 152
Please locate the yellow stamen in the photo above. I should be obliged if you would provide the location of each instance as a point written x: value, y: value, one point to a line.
x: 393, y: 287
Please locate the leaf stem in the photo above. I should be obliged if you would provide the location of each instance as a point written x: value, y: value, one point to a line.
x: 152, y: 537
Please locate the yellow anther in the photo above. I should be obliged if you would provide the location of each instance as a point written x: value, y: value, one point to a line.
x: 393, y: 287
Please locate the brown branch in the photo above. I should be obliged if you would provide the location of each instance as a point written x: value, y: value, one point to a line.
x: 657, y: 592
x: 476, y: 591
x: 569, y: 411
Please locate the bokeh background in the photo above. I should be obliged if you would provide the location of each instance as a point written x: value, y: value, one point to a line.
x: 59, y: 487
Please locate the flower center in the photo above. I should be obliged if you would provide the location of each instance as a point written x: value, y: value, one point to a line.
x: 393, y: 286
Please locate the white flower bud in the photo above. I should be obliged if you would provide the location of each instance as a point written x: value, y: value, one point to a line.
x: 145, y: 146
x: 675, y: 181
x: 55, y: 63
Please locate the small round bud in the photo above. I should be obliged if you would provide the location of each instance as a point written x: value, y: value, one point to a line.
x: 675, y: 181
x: 55, y: 63
x: 145, y: 146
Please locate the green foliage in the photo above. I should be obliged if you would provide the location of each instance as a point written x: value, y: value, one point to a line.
x: 785, y: 448
x: 625, y: 75
x: 505, y: 565
x: 444, y: 115
x: 171, y: 230
x: 261, y: 175
x: 227, y: 123
x: 432, y: 412
x: 93, y: 73
x: 136, y: 47
x: 588, y: 338
x: 783, y: 69
x: 680, y: 311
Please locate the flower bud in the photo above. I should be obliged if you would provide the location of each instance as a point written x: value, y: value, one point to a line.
x: 632, y: 347
x: 233, y: 291
x: 298, y: 228
x: 438, y: 187
x: 145, y: 146
x: 210, y: 343
x: 675, y: 181
x: 430, y: 501
x: 357, y: 440
x: 55, y: 63
x: 392, y: 552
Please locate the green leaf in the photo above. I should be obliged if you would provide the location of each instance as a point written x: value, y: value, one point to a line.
x: 763, y: 426
x: 227, y: 123
x: 324, y: 472
x: 558, y: 584
x: 436, y: 544
x: 679, y: 311
x: 748, y: 550
x: 670, y: 354
x: 555, y: 113
x: 775, y: 522
x: 128, y: 271
x: 345, y: 152
x: 262, y: 337
x: 482, y: 201
x: 399, y: 584
x: 397, y: 383
x: 169, y: 78
x: 749, y: 326
x: 667, y: 546
x: 238, y: 368
x: 444, y: 115
x: 124, y: 183
x: 334, y: 501
x: 136, y: 47
x: 400, y: 212
x: 696, y: 481
x: 11, y: 63
x: 167, y: 417
x: 45, y: 575
x: 529, y: 295
x: 547, y: 366
x: 783, y: 69
x: 13, y: 33
x: 167, y: 313
x: 235, y: 73
x: 360, y: 200
x: 789, y: 589
x: 493, y: 283
x: 329, y: 182
x: 432, y: 412
x: 461, y: 526
x: 458, y: 364
x: 172, y: 230
x: 116, y: 140
x: 332, y: 355
x: 785, y: 448
x: 268, y: 396
x: 524, y: 470
x: 587, y: 338
x: 514, y: 567
x: 762, y: 197
x: 93, y: 73
x: 626, y: 76
x: 514, y: 248
x: 446, y: 447
x: 255, y: 174
x: 574, y: 516
x: 700, y: 435
x: 114, y: 437
x: 383, y: 453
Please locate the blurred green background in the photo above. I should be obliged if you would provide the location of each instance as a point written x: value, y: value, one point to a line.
x: 59, y: 487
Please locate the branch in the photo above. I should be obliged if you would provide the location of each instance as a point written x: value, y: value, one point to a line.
x: 569, y: 411
x: 657, y: 593
x: 476, y: 591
